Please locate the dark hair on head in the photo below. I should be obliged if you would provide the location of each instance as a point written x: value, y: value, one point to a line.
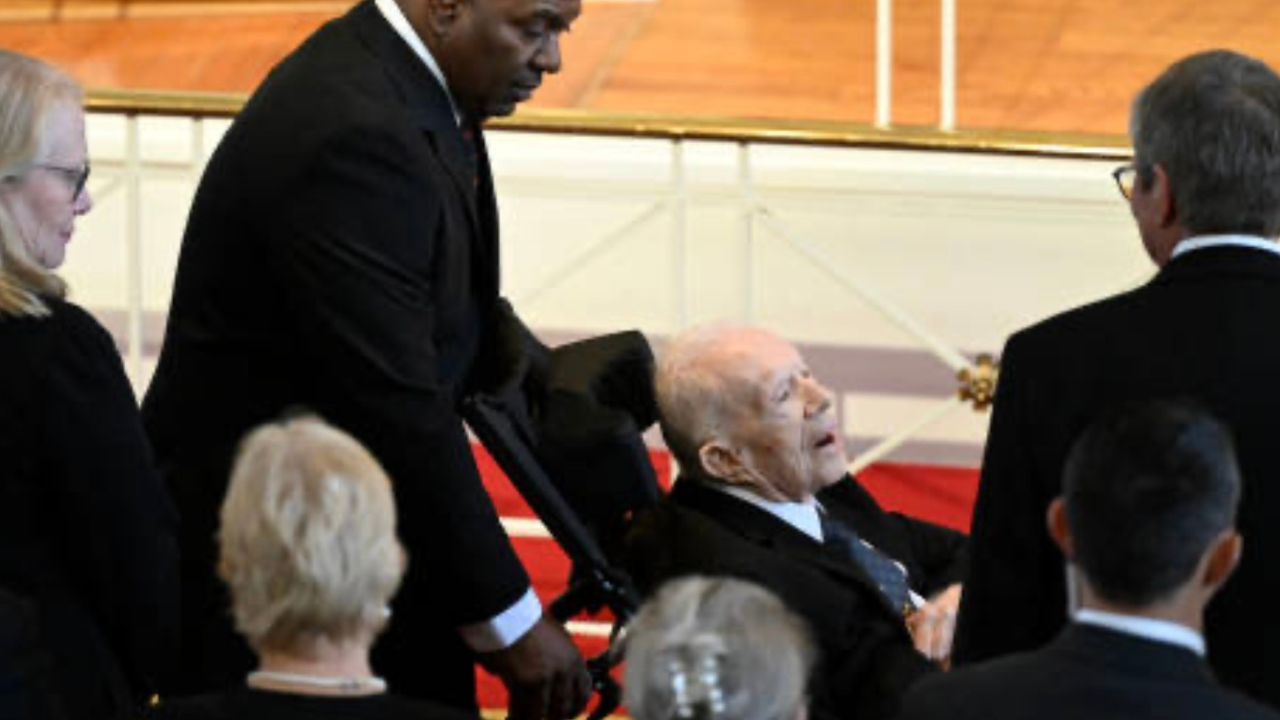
x: 1147, y: 488
x: 1212, y: 120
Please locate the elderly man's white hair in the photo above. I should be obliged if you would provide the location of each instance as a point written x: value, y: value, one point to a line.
x: 307, y: 543
x: 691, y: 395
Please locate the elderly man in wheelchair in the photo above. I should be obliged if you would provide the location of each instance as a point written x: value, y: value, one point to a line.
x: 764, y: 495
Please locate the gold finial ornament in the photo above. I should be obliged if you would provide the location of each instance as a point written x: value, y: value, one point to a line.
x: 978, y: 382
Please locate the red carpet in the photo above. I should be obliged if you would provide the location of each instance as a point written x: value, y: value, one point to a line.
x: 939, y: 494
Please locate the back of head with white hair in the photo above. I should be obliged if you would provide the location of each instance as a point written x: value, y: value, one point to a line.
x: 717, y: 649
x: 308, y: 540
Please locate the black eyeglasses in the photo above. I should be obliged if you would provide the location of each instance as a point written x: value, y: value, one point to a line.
x: 78, y: 177
x: 1125, y: 175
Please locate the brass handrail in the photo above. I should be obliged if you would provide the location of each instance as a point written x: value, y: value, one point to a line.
x: 162, y: 102
x: 671, y: 127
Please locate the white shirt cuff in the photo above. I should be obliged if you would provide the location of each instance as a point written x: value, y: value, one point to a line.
x: 509, y: 626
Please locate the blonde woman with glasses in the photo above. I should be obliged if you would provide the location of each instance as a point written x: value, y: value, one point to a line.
x: 86, y: 531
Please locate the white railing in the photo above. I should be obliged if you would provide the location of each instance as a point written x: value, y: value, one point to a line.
x: 877, y: 244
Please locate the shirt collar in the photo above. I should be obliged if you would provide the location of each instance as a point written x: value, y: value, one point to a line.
x: 802, y: 516
x: 1203, y: 241
x: 391, y: 11
x: 1161, y: 631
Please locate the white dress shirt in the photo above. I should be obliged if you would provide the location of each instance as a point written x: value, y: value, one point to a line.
x: 391, y: 11
x: 511, y: 624
x: 802, y: 516
x: 1203, y: 241
x: 1161, y: 631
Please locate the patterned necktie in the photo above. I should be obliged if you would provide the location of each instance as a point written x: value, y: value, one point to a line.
x: 886, y: 574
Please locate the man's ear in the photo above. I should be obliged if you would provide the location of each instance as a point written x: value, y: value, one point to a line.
x: 1166, y: 208
x: 1224, y: 555
x: 719, y: 460
x: 441, y: 15
x: 1056, y: 521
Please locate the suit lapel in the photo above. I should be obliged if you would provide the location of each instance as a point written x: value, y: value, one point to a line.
x: 850, y: 503
x: 767, y: 530
x: 833, y: 562
x: 425, y: 101
x: 447, y: 142
x: 487, y: 206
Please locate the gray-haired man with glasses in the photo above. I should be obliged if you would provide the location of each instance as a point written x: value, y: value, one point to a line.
x: 1204, y: 190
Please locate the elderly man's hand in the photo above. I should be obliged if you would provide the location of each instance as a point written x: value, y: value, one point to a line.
x: 933, y: 625
x: 544, y: 674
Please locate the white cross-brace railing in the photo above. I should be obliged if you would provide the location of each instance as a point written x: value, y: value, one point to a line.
x: 126, y: 175
x: 671, y: 199
x: 756, y: 211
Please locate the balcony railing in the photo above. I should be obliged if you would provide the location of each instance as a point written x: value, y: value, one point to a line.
x: 894, y: 256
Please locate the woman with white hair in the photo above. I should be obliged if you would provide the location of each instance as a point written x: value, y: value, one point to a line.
x: 308, y: 549
x: 717, y: 649
x: 86, y: 529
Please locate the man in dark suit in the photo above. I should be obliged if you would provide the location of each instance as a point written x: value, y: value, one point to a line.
x: 1146, y: 522
x: 1204, y: 189
x: 764, y: 495
x: 342, y: 255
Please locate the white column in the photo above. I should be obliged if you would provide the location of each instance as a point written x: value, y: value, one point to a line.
x: 884, y: 61
x: 748, y: 199
x: 679, y: 197
x: 947, y: 113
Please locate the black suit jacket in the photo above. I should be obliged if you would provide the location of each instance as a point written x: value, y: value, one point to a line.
x: 867, y: 657
x: 342, y: 256
x: 1087, y: 672
x: 87, y: 535
x: 1203, y: 328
